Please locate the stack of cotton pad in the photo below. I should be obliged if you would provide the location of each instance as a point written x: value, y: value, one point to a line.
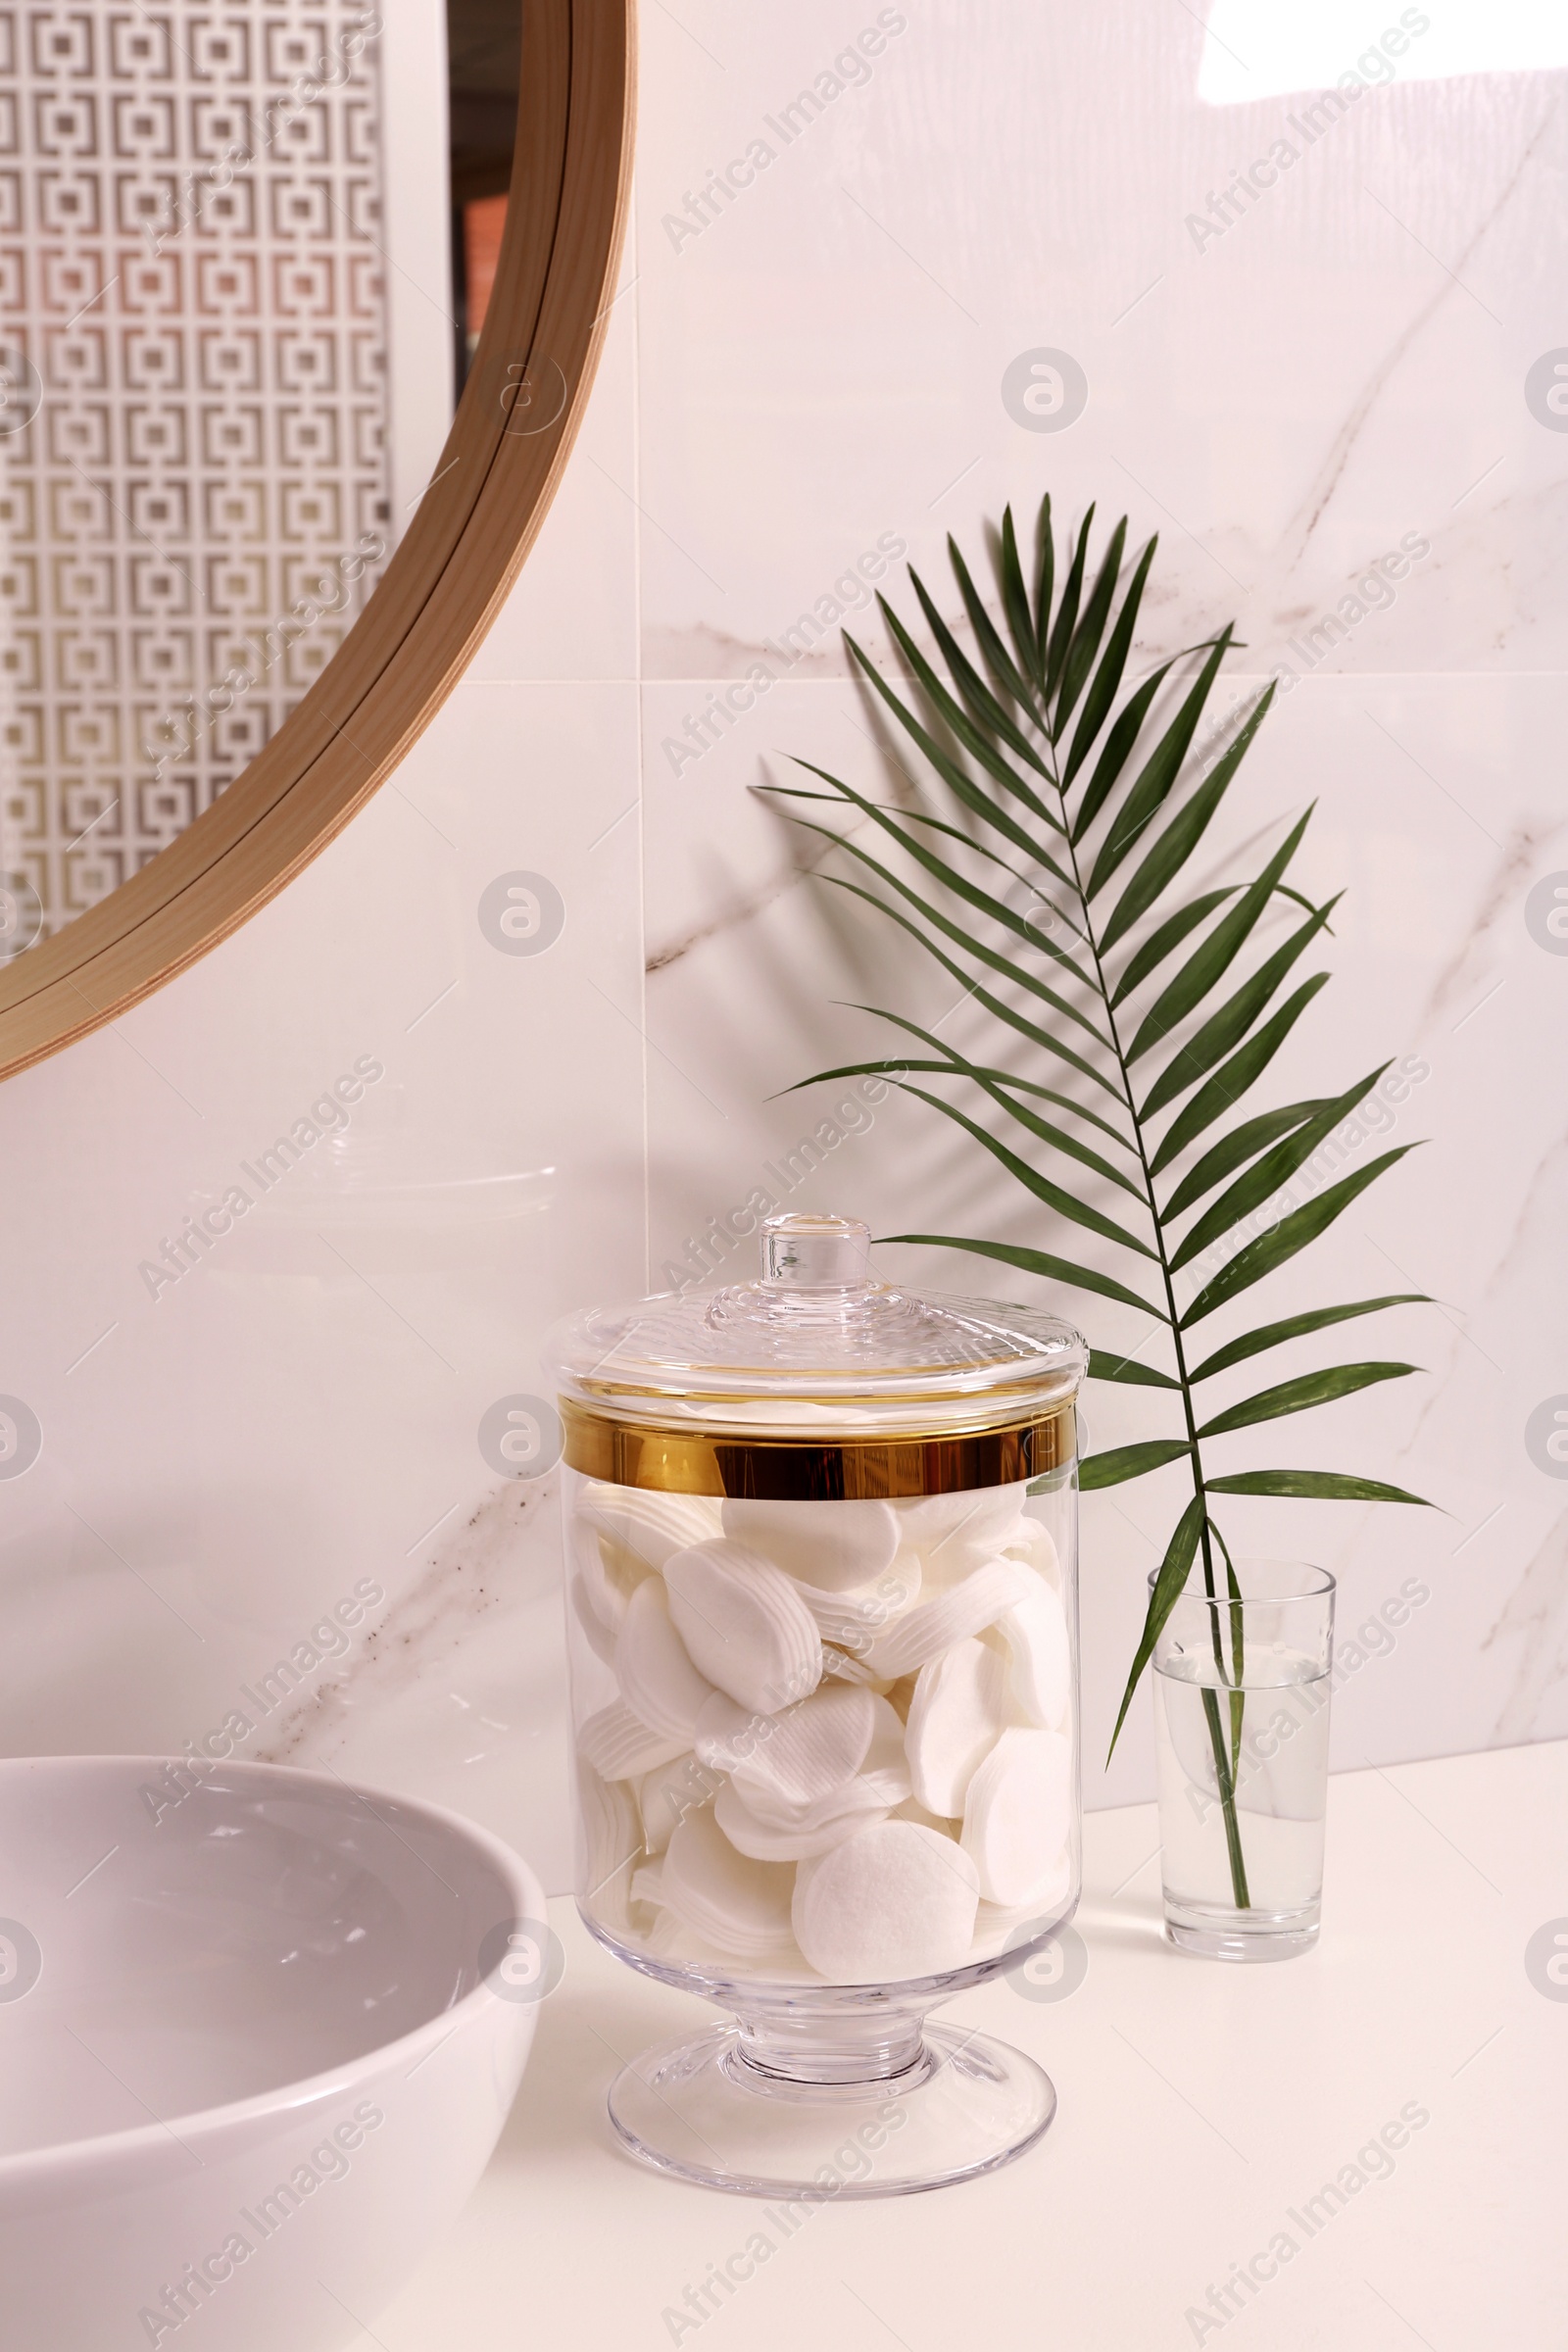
x: 828, y: 1739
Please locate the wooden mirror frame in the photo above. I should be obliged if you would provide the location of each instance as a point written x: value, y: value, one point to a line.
x: 487, y: 498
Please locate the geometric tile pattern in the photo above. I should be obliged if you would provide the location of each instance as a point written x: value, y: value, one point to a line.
x: 193, y: 466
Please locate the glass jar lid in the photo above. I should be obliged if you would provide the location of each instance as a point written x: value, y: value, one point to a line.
x: 813, y: 1354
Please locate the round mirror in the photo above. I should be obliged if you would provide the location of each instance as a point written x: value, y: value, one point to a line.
x: 302, y: 306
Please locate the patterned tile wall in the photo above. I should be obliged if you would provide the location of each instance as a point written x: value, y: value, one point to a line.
x: 193, y: 493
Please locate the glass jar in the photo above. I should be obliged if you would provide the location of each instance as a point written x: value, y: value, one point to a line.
x: 821, y: 1566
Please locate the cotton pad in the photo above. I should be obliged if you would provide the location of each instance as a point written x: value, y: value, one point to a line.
x: 882, y: 1779
x: 606, y: 1575
x: 1033, y: 1543
x: 855, y: 1618
x: 650, y: 1524
x: 728, y: 1734
x: 667, y: 1793
x: 670, y: 1937
x: 744, y: 1624
x: 811, y: 1750
x: 750, y: 1834
x: 955, y: 1534
x: 1001, y: 1921
x: 833, y: 1545
x: 1017, y: 1815
x: 847, y: 1669
x: 912, y: 1810
x: 880, y: 1782
x: 1033, y: 1633
x: 741, y: 1906
x: 620, y: 1745
x: 957, y: 1711
x: 609, y: 1844
x: 894, y: 1901
x: 657, y: 1679
x: 600, y: 1636
x: 924, y: 1631
x: 778, y: 1791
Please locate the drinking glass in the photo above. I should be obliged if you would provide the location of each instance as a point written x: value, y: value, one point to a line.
x: 1242, y: 1739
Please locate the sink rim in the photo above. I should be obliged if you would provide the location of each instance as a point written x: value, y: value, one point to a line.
x: 106, y: 2148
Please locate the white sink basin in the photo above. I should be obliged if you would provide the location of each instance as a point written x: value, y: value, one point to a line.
x: 254, y: 2052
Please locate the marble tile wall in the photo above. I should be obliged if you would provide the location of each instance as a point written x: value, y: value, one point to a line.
x: 1286, y: 383
x: 809, y: 380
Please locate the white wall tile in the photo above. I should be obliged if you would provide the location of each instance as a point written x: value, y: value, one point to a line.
x: 298, y: 1410
x: 817, y: 370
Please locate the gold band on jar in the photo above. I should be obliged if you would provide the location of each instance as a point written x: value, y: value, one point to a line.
x: 686, y: 1461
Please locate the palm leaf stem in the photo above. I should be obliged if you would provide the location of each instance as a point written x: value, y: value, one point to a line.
x: 1224, y: 1773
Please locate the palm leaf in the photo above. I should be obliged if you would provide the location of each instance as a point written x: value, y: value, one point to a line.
x: 1174, y: 1570
x: 954, y: 1061
x: 993, y: 1083
x: 1085, y: 641
x: 1067, y: 611
x: 1102, y: 695
x: 1226, y: 1028
x: 1229, y: 1082
x: 1045, y: 1130
x: 1078, y: 1212
x: 1041, y: 741
x: 986, y: 635
x: 957, y: 884
x: 1270, y: 1251
x: 1234, y: 1150
x: 1156, y: 777
x: 1296, y: 1326
x: 1266, y: 1175
x: 1036, y: 1261
x: 939, y: 824
x: 956, y: 931
x: 1201, y: 972
x: 1008, y: 1015
x: 1313, y: 1485
x: 1015, y: 604
x: 1166, y: 938
x: 1127, y: 1370
x: 1130, y: 1462
x: 1300, y: 1394
x: 1118, y: 750
x: 1181, y: 837
x: 959, y: 724
x: 983, y: 704
x: 954, y: 717
x: 1044, y: 584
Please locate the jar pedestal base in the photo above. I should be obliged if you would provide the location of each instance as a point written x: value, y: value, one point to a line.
x: 702, y: 2110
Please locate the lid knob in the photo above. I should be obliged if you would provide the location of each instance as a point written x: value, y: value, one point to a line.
x: 804, y: 1252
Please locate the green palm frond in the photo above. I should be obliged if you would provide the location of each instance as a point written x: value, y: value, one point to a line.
x: 1065, y: 810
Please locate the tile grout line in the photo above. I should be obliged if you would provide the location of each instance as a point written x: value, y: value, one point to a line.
x: 1403, y: 678
x: 635, y: 240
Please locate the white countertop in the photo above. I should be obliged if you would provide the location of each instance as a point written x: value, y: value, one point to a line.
x: 1200, y: 2105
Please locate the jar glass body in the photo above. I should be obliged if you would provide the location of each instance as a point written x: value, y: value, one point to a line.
x: 727, y: 1846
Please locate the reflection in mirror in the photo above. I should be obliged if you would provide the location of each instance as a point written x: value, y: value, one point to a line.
x: 226, y: 251
x: 484, y: 68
